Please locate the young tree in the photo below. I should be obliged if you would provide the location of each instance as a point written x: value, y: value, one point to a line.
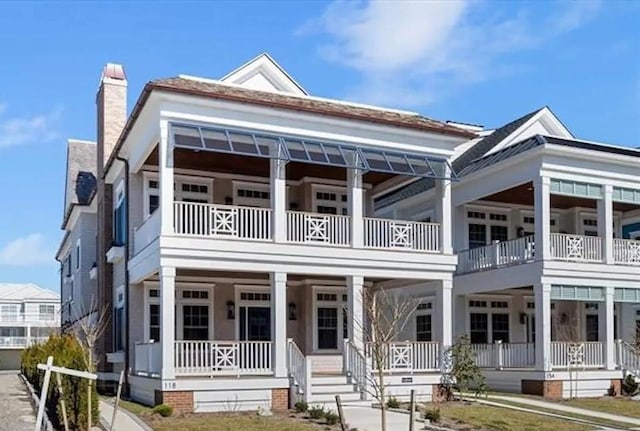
x: 462, y: 373
x: 89, y: 330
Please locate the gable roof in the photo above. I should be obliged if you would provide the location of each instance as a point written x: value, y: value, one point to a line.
x: 81, y: 162
x: 26, y: 291
x: 477, y: 150
x: 266, y: 66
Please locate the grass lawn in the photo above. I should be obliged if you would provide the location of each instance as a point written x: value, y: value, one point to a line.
x: 227, y: 422
x: 468, y: 416
x: 616, y: 406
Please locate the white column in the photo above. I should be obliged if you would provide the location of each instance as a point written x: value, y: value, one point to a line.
x: 605, y: 223
x: 355, y: 292
x: 606, y: 326
x: 28, y: 335
x: 167, y: 320
x: 165, y: 162
x: 279, y: 322
x: 444, y: 212
x: 542, y: 186
x: 356, y: 206
x: 278, y: 200
x: 542, y: 293
x: 443, y: 309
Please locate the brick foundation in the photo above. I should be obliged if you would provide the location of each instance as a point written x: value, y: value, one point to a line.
x: 279, y: 399
x: 548, y: 389
x: 181, y: 401
x: 616, y: 384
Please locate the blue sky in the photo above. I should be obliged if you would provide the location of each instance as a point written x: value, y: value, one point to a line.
x: 481, y: 62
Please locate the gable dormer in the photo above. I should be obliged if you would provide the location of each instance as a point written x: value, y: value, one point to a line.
x: 263, y: 73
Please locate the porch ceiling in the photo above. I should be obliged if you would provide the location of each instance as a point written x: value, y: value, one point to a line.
x: 523, y: 195
x: 257, y: 166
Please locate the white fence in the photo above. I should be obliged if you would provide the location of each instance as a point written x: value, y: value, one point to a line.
x: 626, y: 251
x: 397, y: 234
x: 409, y: 356
x: 504, y: 355
x: 208, y: 358
x: 588, y: 354
x: 318, y: 228
x: 577, y: 248
x: 628, y: 357
x: 148, y: 359
x: 223, y: 221
x: 504, y: 253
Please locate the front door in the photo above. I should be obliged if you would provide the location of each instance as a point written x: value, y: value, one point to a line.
x: 255, y: 323
x: 531, y: 328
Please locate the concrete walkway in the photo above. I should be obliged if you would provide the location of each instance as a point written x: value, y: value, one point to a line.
x: 15, y: 405
x: 368, y: 419
x: 125, y: 421
x: 566, y: 409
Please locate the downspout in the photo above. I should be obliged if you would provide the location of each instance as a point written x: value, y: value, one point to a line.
x: 126, y: 273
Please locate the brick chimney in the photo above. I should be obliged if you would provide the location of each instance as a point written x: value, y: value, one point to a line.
x: 111, y: 104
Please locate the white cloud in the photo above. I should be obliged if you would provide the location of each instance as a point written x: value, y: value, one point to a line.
x: 29, y: 250
x: 411, y: 52
x: 15, y: 131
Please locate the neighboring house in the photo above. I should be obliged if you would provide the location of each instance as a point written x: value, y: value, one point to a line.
x: 28, y: 314
x: 77, y: 251
x: 548, y: 242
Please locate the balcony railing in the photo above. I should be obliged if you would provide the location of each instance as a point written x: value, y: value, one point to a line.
x: 222, y: 221
x: 397, y: 234
x: 504, y: 355
x: 504, y: 253
x: 318, y: 228
x: 409, y: 356
x: 45, y: 319
x: 588, y: 354
x: 211, y: 358
x: 148, y: 359
x: 578, y: 248
x: 626, y: 251
x: 17, y: 342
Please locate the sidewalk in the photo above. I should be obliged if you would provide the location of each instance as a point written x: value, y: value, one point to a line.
x: 368, y: 419
x: 125, y: 421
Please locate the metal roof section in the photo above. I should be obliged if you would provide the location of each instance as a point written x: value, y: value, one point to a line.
x: 25, y: 292
x: 296, y: 149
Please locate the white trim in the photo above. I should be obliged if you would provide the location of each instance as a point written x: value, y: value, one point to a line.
x: 340, y: 304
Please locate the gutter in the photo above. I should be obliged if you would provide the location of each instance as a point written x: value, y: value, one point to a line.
x: 126, y: 272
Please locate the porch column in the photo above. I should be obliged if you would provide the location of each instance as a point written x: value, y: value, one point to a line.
x: 356, y: 207
x: 443, y: 313
x: 279, y: 322
x: 167, y: 320
x: 355, y: 293
x: 165, y: 162
x: 541, y: 190
x: 542, y: 293
x: 605, y: 328
x: 278, y: 200
x: 605, y: 223
x: 444, y: 212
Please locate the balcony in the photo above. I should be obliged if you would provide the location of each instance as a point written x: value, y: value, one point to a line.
x: 626, y: 251
x: 36, y: 319
x: 255, y: 224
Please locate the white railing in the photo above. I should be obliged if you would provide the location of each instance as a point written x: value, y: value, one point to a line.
x: 318, y: 228
x: 626, y: 251
x: 501, y: 355
x: 299, y: 369
x: 588, y: 354
x: 502, y: 253
x: 10, y: 342
x: 628, y: 357
x: 409, y: 356
x: 578, y: 248
x: 397, y: 234
x: 223, y: 357
x: 222, y: 221
x: 148, y: 359
x: 146, y: 232
x: 355, y: 365
x: 45, y: 319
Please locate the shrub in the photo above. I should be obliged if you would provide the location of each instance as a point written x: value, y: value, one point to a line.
x: 465, y: 373
x: 432, y: 415
x: 163, y: 410
x: 301, y: 406
x: 66, y: 352
x: 393, y: 403
x: 316, y: 412
x: 331, y: 418
x: 629, y: 385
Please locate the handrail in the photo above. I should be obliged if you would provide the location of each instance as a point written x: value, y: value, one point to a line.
x: 299, y: 368
x: 356, y: 366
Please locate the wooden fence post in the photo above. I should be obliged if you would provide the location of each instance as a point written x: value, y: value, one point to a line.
x: 343, y: 424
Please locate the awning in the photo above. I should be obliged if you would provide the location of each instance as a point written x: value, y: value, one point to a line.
x: 295, y: 149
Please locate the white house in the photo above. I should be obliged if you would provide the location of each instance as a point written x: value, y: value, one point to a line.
x: 28, y: 314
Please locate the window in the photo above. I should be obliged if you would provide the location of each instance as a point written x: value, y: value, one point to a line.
x: 591, y: 306
x: 476, y: 214
x: 327, y: 297
x: 330, y: 202
x: 118, y: 329
x: 47, y: 312
x: 327, y: 319
x: 498, y: 217
x: 592, y: 327
x: 195, y: 294
x: 531, y: 305
x: 477, y: 304
x: 255, y: 296
x: 78, y: 255
x: 499, y: 233
x: 477, y: 235
x: 68, y: 265
x: 154, y: 322
x: 424, y: 306
x: 500, y: 327
x: 423, y: 327
x: 195, y: 322
x: 253, y: 194
x: 499, y: 304
x: 478, y: 328
x: 154, y: 293
x: 529, y: 220
x: 8, y: 313
x: 119, y: 219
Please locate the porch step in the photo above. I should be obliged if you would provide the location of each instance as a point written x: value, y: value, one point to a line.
x: 344, y: 388
x: 337, y: 379
x: 330, y: 397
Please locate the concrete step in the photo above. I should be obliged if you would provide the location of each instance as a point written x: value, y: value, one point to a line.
x: 331, y: 405
x: 329, y: 380
x: 332, y: 389
x: 330, y: 398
